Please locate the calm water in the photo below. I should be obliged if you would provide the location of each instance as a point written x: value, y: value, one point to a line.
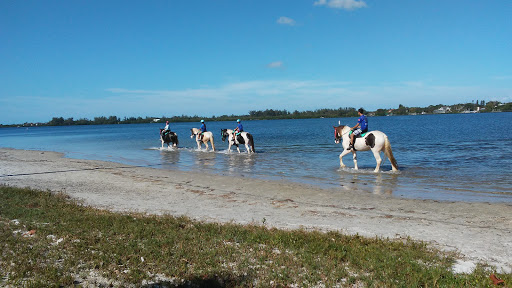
x: 464, y: 157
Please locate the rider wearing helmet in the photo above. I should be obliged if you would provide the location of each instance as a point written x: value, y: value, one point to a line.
x: 203, y: 129
x: 239, y: 129
x: 361, y: 127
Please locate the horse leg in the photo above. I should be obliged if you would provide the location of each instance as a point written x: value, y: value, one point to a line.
x: 376, y: 153
x: 355, y: 159
x: 247, y: 147
x: 206, y: 144
x: 345, y: 152
x: 237, y: 148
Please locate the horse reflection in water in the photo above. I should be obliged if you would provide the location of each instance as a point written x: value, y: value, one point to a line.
x: 205, y: 161
x: 378, y: 184
x: 170, y: 157
x: 240, y: 163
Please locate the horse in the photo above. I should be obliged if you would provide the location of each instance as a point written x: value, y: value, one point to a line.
x: 169, y: 137
x: 207, y: 136
x: 232, y: 140
x: 375, y: 140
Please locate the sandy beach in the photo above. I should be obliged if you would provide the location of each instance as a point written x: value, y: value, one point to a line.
x: 480, y: 232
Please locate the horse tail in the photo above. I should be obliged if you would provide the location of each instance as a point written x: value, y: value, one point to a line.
x: 389, y: 154
x: 251, y: 142
x: 211, y: 141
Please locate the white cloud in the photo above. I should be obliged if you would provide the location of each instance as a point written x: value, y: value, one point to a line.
x: 341, y: 4
x: 286, y: 21
x: 243, y: 96
x: 301, y: 95
x: 276, y: 64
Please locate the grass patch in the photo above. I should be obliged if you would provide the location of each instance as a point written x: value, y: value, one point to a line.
x: 72, y: 244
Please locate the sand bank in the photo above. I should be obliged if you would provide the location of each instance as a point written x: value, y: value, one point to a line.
x: 479, y: 231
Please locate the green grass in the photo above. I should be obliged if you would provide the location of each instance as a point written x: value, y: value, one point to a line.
x: 72, y: 241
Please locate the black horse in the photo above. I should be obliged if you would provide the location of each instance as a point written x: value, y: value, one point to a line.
x: 167, y: 137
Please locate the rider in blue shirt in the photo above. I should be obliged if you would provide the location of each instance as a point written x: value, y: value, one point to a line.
x: 203, y: 129
x: 361, y: 127
x: 239, y: 128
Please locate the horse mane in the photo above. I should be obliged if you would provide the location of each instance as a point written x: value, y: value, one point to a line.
x: 339, y: 128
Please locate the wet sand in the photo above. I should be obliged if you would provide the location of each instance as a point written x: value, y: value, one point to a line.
x: 480, y: 232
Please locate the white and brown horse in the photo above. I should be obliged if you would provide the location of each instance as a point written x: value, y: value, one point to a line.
x: 206, y: 137
x: 168, y: 137
x: 246, y: 139
x: 375, y: 141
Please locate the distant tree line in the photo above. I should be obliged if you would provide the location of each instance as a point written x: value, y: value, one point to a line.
x: 268, y: 114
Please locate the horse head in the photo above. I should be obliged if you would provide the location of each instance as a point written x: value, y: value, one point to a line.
x: 338, y: 133
x: 193, y: 132
x: 224, y: 134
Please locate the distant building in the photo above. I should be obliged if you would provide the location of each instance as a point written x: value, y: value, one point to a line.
x: 443, y: 110
x: 156, y: 120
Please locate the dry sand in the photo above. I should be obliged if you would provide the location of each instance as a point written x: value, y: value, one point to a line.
x: 481, y: 232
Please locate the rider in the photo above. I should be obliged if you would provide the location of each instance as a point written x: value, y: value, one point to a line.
x: 203, y: 129
x: 166, y: 128
x: 361, y: 127
x: 239, y: 129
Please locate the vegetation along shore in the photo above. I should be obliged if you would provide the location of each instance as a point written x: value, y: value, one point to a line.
x: 269, y: 114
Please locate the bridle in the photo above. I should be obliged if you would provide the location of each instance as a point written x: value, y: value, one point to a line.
x: 338, y: 136
x: 224, y: 133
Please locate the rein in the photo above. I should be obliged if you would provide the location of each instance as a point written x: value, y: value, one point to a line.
x: 337, y: 133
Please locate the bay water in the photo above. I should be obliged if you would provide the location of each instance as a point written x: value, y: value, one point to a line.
x: 445, y: 157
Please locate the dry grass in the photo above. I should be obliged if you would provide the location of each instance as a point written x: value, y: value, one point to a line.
x: 75, y: 245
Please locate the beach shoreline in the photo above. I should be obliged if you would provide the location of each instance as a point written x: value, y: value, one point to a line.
x: 481, y: 232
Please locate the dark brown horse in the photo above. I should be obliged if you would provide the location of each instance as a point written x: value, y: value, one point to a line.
x: 168, y: 137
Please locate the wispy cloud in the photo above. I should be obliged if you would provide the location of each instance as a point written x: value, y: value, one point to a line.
x: 247, y: 96
x: 341, y: 4
x: 286, y: 21
x: 502, y: 77
x: 276, y: 64
x: 303, y: 95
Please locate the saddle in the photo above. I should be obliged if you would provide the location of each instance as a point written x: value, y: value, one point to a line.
x: 358, y: 136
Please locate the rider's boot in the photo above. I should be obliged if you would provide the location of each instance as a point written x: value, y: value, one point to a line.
x: 350, y: 146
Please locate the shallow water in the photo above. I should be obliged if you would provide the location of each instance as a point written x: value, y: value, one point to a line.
x: 456, y: 157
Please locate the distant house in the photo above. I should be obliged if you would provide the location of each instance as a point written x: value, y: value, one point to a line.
x: 443, y: 110
x: 156, y: 120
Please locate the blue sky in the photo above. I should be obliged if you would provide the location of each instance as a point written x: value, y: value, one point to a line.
x: 84, y: 59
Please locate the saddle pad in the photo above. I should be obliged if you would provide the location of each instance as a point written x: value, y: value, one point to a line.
x: 360, y: 135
